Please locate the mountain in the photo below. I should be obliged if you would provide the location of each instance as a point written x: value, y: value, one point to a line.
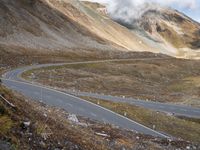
x: 169, y: 31
x: 172, y: 28
x: 63, y: 25
x: 45, y: 24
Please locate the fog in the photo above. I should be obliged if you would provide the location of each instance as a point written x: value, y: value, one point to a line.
x: 129, y: 10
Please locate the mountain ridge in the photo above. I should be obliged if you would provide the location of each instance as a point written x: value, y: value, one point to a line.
x: 175, y: 33
x: 62, y: 25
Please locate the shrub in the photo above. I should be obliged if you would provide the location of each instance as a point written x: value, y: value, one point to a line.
x: 2, y: 110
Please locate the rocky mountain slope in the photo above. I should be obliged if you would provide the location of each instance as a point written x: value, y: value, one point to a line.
x: 58, y: 25
x: 172, y: 28
x: 168, y: 30
x: 63, y: 25
x: 39, y: 24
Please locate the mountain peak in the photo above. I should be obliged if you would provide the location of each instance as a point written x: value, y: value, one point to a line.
x: 70, y: 24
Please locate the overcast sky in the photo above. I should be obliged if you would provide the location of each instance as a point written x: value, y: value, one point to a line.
x: 189, y: 7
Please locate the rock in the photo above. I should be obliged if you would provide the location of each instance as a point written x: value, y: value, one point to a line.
x: 73, y: 118
x: 42, y: 144
x: 5, y: 145
x: 194, y: 147
x: 102, y: 134
x: 123, y: 148
x: 188, y: 147
x: 45, y: 115
x: 25, y: 125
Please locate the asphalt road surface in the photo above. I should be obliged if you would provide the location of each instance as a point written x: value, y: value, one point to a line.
x: 178, y: 110
x: 81, y: 107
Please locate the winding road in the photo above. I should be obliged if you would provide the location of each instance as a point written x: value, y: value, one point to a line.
x: 177, y: 110
x: 81, y: 107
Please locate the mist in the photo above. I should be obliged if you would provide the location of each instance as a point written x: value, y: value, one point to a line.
x: 127, y: 11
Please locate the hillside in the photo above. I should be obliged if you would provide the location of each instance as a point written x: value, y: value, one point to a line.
x: 171, y: 27
x: 38, y: 24
x: 167, y: 30
x: 60, y: 25
x: 68, y: 25
x: 43, y: 127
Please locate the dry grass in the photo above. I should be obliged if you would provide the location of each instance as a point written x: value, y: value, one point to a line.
x: 64, y: 134
x: 6, y: 124
x: 61, y: 131
x: 157, y: 80
x: 180, y: 128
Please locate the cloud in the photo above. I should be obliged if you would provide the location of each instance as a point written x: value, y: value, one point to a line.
x: 190, y: 4
x: 128, y: 10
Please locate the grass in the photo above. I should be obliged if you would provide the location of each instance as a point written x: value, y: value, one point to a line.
x: 186, y: 84
x: 167, y: 80
x: 186, y: 129
x: 180, y: 87
x: 64, y: 131
x: 5, y: 124
x: 63, y: 134
x: 194, y: 80
x: 11, y: 130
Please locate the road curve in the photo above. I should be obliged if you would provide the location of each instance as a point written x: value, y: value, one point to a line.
x: 178, y: 110
x: 81, y: 107
x: 71, y: 103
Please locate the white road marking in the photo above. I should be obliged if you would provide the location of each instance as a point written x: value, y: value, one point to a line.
x: 77, y: 98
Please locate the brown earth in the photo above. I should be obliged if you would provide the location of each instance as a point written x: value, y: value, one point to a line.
x: 54, y: 25
x: 50, y: 129
x: 165, y: 80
